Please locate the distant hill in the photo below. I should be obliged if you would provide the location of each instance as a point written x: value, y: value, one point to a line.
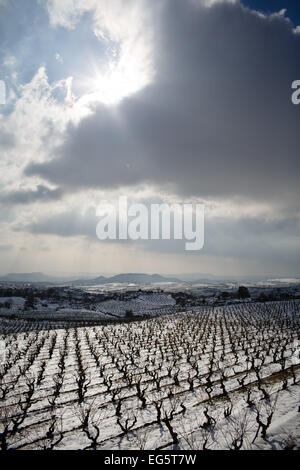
x: 140, y: 278
x: 89, y: 282
x: 136, y: 278
x: 129, y: 278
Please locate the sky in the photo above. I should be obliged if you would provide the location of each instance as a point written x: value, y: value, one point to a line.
x: 271, y: 6
x: 162, y: 102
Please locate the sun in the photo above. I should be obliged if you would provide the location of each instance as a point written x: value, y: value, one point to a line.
x: 118, y: 81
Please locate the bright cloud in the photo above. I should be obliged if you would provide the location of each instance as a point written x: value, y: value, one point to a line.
x: 125, y: 26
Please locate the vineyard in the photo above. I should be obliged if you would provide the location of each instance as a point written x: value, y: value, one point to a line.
x: 211, y: 378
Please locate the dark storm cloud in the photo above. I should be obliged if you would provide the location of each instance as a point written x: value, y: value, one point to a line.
x: 217, y: 122
x: 26, y: 196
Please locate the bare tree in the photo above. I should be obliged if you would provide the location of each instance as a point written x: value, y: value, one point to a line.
x: 90, y: 416
x: 264, y: 416
x: 236, y: 431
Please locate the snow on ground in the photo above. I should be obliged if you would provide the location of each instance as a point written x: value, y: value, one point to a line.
x: 144, y: 303
x: 285, y: 427
x: 141, y: 304
x: 184, y: 381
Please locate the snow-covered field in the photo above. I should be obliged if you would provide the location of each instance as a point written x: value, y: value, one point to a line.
x: 62, y: 309
x: 147, y: 303
x: 218, y: 378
